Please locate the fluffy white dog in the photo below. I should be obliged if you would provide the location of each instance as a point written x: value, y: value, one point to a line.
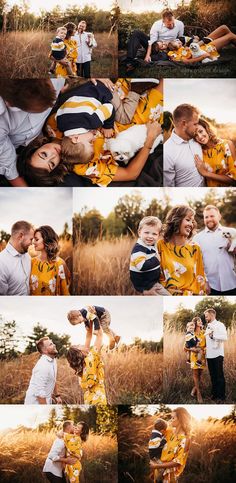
x: 230, y: 234
x: 196, y: 51
x: 124, y: 146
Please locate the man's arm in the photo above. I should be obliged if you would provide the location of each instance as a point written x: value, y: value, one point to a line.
x: 220, y: 332
x: 181, y: 29
x: 169, y: 170
x: 3, y: 280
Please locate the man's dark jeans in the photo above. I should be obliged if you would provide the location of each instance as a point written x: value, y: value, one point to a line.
x: 216, y: 370
x: 137, y: 39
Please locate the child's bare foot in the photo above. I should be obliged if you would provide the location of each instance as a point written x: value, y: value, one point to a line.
x: 199, y: 397
x: 107, y: 133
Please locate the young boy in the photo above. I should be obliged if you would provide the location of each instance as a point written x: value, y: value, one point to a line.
x: 144, y: 262
x: 192, y: 341
x: 58, y: 51
x: 100, y: 318
x: 156, y: 444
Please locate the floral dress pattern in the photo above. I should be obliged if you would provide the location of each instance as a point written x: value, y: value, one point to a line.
x: 73, y: 444
x: 193, y: 355
x: 219, y: 160
x: 92, y: 380
x: 174, y: 450
x: 48, y: 278
x: 71, y: 48
x: 182, y: 270
x: 185, y: 52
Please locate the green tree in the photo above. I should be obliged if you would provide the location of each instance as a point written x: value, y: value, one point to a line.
x: 62, y: 342
x: 224, y: 308
x: 8, y: 339
x: 129, y: 208
x: 113, y: 226
x: 107, y: 419
x: 38, y: 333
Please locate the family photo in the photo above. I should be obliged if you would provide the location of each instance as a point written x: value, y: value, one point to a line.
x: 36, y: 250
x: 66, y: 132
x: 70, y: 444
x: 170, y: 443
x: 199, y: 350
x: 42, y: 40
x: 80, y: 350
x: 201, y: 147
x: 156, y: 241
x: 177, y: 38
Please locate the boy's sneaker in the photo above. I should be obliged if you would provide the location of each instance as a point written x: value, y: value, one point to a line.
x: 141, y: 85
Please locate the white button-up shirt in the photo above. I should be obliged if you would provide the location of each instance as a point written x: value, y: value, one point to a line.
x: 215, y: 345
x: 57, y: 451
x: 15, y: 271
x: 19, y: 128
x: 218, y: 262
x: 84, y: 50
x: 179, y: 164
x: 160, y: 32
x: 42, y: 381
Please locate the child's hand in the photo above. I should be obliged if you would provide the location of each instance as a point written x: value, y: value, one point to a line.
x: 108, y: 133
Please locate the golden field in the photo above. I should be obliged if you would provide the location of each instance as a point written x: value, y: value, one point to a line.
x: 23, y: 453
x: 211, y: 457
x: 132, y: 377
x: 25, y: 54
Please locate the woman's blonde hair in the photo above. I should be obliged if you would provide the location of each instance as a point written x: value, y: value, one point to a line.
x: 184, y: 419
x: 174, y: 219
x: 211, y: 131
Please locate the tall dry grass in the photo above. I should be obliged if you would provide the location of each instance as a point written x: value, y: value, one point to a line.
x: 131, y: 377
x: 25, y: 54
x: 177, y: 376
x: 211, y: 457
x: 102, y: 268
x: 23, y: 453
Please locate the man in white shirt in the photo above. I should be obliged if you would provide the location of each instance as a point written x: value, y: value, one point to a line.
x: 42, y: 384
x: 180, y: 149
x: 53, y: 467
x: 86, y: 41
x: 15, y: 262
x: 24, y: 106
x: 164, y: 30
x: 215, y: 336
x: 218, y: 262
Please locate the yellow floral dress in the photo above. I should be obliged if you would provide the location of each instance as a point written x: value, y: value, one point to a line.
x: 73, y: 444
x: 219, y: 160
x: 182, y: 270
x: 71, y: 48
x: 174, y: 450
x: 180, y: 54
x: 92, y: 380
x: 48, y: 278
x: 193, y: 355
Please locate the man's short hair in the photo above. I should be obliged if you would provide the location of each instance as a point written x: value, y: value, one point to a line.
x: 211, y: 207
x: 21, y: 226
x: 40, y: 343
x: 66, y: 424
x: 184, y: 111
x: 167, y: 13
x: 151, y: 221
x: 211, y: 311
x: 25, y: 93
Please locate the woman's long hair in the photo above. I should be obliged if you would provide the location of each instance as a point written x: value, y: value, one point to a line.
x: 85, y: 430
x: 213, y: 138
x: 76, y: 358
x: 50, y: 240
x: 174, y: 219
x: 195, y: 320
x: 71, y: 27
x: 184, y: 419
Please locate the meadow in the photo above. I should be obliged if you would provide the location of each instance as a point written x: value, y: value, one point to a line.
x: 211, y: 457
x: 23, y: 453
x: 26, y: 54
x: 131, y: 377
x: 177, y: 375
x: 102, y: 267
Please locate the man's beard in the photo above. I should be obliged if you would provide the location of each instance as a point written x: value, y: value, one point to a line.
x: 23, y: 249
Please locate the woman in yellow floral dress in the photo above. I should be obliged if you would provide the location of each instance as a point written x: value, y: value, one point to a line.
x: 175, y: 452
x: 88, y: 365
x: 71, y: 48
x: 49, y: 273
x: 197, y: 369
x: 219, y: 157
x: 182, y: 270
x: 73, y: 444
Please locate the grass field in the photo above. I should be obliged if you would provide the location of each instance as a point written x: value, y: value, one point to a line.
x: 177, y: 377
x: 211, y: 458
x: 25, y: 54
x: 102, y: 268
x: 132, y: 377
x: 22, y: 456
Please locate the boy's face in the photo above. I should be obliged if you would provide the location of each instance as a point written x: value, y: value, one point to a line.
x: 77, y: 317
x: 177, y: 44
x: 62, y: 34
x: 191, y: 326
x: 149, y: 234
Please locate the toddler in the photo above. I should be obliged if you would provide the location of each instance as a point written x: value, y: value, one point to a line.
x: 156, y: 444
x: 58, y: 51
x: 192, y: 341
x: 179, y: 51
x: 100, y: 318
x: 144, y: 262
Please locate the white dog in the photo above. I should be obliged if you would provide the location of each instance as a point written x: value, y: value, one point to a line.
x: 196, y: 51
x: 230, y: 234
x: 124, y: 146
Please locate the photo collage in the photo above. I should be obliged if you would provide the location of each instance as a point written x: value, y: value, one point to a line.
x: 117, y: 192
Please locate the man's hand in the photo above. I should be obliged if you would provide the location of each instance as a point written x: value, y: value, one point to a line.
x: 58, y: 399
x: 208, y: 288
x: 147, y: 58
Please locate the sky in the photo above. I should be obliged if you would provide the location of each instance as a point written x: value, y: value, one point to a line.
x: 172, y: 303
x: 139, y: 6
x: 106, y: 199
x: 37, y: 5
x: 130, y: 316
x: 216, y: 98
x: 203, y: 411
x: 39, y: 206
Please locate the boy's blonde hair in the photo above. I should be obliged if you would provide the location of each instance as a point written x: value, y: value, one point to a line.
x: 72, y: 316
x: 188, y: 325
x: 61, y: 28
x: 72, y: 153
x: 151, y: 221
x: 160, y: 424
x: 171, y: 45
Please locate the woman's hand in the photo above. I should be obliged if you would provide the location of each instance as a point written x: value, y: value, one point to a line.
x: 153, y: 464
x: 200, y: 165
x: 153, y: 130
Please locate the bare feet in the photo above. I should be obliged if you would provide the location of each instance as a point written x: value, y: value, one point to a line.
x: 199, y: 397
x: 193, y: 392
